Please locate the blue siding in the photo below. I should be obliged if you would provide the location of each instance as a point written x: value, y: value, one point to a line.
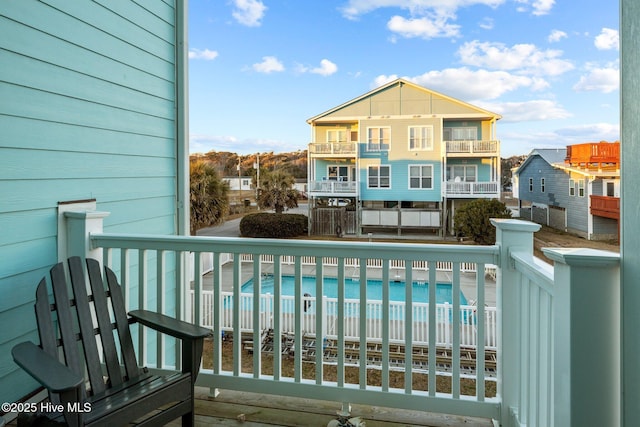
x: 87, y: 111
x: 556, y: 191
x: 482, y: 168
x: 399, y: 190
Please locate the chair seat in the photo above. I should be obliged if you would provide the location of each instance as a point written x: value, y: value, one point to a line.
x: 138, y: 397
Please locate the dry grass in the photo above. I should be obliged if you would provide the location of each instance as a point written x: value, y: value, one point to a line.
x: 420, y: 381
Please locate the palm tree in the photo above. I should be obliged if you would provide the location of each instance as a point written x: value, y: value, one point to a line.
x: 209, y: 196
x: 276, y: 191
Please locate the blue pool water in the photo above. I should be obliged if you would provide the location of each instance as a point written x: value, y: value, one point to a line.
x: 420, y: 291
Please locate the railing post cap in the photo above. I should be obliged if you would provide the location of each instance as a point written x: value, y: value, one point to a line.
x: 582, y: 257
x: 86, y: 214
x: 515, y: 225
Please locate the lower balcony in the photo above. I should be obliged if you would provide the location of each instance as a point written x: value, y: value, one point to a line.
x: 501, y: 345
x: 472, y: 189
x: 333, y: 188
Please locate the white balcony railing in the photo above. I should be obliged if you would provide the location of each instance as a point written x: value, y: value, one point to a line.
x: 333, y: 187
x: 471, y: 189
x: 557, y: 335
x: 333, y: 148
x: 473, y: 147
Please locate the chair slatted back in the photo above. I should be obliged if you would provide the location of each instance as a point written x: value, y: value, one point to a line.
x: 77, y: 329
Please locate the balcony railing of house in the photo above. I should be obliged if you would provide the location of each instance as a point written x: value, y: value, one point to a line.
x: 558, y: 328
x: 473, y: 147
x: 594, y: 154
x: 333, y: 148
x: 375, y: 147
x: 471, y: 189
x: 333, y: 187
x: 608, y: 207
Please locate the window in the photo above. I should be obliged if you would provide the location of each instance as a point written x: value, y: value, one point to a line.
x: 572, y: 187
x: 581, y: 188
x: 338, y: 173
x: 542, y: 185
x: 421, y: 177
x: 461, y: 134
x: 420, y: 137
x: 379, y: 176
x: 461, y: 173
x: 378, y: 138
x: 530, y: 185
x: 336, y: 136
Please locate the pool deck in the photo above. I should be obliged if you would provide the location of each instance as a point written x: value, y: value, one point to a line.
x: 467, y: 280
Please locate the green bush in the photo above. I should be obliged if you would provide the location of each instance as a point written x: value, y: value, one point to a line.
x: 472, y: 220
x: 273, y: 225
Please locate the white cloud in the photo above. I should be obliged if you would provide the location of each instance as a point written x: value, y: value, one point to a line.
x: 426, y: 28
x: 593, y: 132
x: 525, y: 58
x: 268, y: 65
x: 354, y: 8
x: 608, y: 39
x: 605, y: 80
x: 206, y: 54
x: 326, y: 68
x: 471, y: 86
x: 486, y: 24
x: 249, y: 12
x: 205, y: 143
x: 199, y: 143
x: 528, y: 111
x: 542, y: 7
x: 556, y: 36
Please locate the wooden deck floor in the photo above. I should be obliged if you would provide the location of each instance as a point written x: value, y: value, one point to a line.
x: 232, y: 408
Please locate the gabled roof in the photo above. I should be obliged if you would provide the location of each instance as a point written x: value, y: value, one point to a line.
x: 402, y: 82
x: 549, y: 155
x: 555, y: 157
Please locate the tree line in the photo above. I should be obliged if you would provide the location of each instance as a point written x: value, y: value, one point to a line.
x: 209, y: 194
x: 226, y: 163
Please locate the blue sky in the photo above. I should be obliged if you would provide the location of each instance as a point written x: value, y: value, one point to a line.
x: 258, y: 69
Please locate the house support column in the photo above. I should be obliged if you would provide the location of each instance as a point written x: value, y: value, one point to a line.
x: 511, y: 235
x: 586, y: 337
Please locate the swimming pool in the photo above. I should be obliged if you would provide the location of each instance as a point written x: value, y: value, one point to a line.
x: 420, y: 292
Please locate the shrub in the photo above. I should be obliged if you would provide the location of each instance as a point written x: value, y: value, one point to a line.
x: 273, y: 225
x: 472, y: 220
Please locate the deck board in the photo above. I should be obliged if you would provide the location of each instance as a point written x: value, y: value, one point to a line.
x: 266, y: 410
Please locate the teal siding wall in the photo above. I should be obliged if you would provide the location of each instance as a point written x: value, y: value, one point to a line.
x: 87, y: 111
x: 399, y: 190
x: 483, y: 169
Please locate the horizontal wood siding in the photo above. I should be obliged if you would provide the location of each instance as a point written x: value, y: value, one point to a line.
x: 556, y: 192
x: 399, y: 190
x: 87, y: 111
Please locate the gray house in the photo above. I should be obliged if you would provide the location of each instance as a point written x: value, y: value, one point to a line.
x: 576, y: 189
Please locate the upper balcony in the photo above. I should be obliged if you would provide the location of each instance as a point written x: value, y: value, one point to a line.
x: 511, y: 353
x: 333, y: 149
x: 597, y: 155
x: 472, y: 148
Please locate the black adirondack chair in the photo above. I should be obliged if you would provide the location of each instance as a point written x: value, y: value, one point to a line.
x: 114, y: 390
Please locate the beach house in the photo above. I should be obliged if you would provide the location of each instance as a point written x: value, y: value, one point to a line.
x: 400, y: 158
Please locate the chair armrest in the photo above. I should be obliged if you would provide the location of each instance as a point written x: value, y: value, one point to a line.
x: 47, y: 370
x: 169, y: 325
